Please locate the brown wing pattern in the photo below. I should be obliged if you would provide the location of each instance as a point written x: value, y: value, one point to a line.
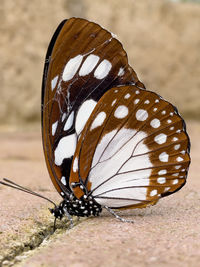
x: 133, y: 150
x: 84, y: 61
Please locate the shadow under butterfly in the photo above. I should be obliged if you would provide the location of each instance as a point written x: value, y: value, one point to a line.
x: 108, y: 142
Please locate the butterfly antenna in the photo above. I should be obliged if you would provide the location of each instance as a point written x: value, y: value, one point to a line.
x: 11, y: 184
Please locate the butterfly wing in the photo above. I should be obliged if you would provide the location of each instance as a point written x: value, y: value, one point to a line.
x: 133, y: 150
x: 83, y: 61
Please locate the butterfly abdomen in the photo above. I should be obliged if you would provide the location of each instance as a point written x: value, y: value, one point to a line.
x: 83, y: 207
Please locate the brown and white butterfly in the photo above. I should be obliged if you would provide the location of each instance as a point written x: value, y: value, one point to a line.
x: 108, y: 142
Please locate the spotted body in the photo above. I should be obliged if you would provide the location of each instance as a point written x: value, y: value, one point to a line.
x: 108, y: 142
x: 82, y: 207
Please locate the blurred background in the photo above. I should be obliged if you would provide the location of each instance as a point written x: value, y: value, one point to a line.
x: 161, y: 38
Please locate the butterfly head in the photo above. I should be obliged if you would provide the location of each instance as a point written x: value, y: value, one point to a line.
x: 58, y: 211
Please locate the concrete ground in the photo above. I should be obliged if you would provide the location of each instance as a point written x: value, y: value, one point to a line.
x: 167, y: 234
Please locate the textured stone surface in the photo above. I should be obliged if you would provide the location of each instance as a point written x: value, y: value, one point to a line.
x: 160, y: 37
x: 167, y: 234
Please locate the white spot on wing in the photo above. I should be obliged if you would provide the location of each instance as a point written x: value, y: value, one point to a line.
x: 179, y: 159
x: 160, y: 138
x: 114, y: 101
x: 54, y: 82
x: 175, y: 181
x: 75, y: 165
x: 167, y: 189
x: 161, y: 172
x: 127, y: 96
x: 161, y: 180
x: 121, y: 112
x: 89, y: 64
x: 54, y: 127
x: 121, y: 72
x: 141, y: 115
x: 177, y: 167
x: 176, y: 147
x: 65, y: 148
x: 83, y: 114
x: 63, y: 180
x: 69, y: 122
x: 103, y: 69
x: 164, y: 157
x: 155, y: 123
x: 98, y: 121
x: 64, y: 116
x: 71, y: 68
x: 153, y: 192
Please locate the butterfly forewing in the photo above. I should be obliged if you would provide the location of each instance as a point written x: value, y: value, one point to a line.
x: 83, y: 62
x: 133, y: 150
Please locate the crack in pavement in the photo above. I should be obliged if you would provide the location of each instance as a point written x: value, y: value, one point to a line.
x: 42, y: 233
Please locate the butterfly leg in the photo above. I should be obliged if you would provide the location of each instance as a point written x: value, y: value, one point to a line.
x: 117, y: 216
x: 69, y: 217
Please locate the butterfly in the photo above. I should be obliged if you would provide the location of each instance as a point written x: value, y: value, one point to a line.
x: 108, y: 142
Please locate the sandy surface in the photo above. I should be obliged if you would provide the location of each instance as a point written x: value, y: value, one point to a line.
x: 167, y: 234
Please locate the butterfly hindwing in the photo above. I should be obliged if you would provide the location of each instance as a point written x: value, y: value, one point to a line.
x: 133, y: 150
x: 83, y: 62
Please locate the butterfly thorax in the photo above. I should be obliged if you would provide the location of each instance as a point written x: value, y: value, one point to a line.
x: 83, y: 207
